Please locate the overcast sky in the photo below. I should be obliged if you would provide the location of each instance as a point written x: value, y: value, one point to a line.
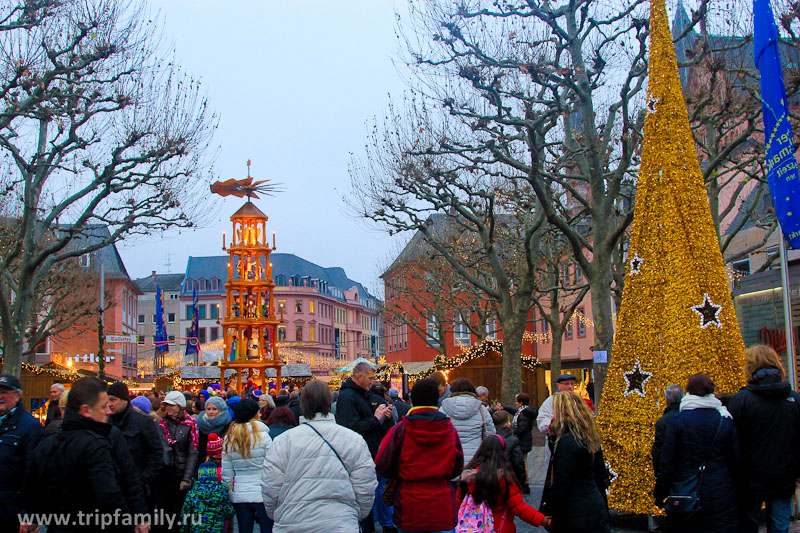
x: 296, y: 85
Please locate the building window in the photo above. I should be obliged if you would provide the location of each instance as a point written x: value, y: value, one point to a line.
x: 298, y: 333
x: 140, y: 339
x: 312, y: 333
x: 491, y: 328
x: 189, y: 285
x: 201, y: 335
x: 282, y: 306
x: 154, y: 319
x: 214, y: 310
x: 215, y: 284
x: 311, y: 307
x: 281, y: 333
x: 85, y: 260
x: 581, y: 325
x: 171, y: 338
x: 280, y: 280
x: 568, y: 331
x: 189, y: 312
x: 578, y: 274
x: 460, y: 331
x: 141, y: 319
x: 405, y: 335
x: 171, y: 318
x: 213, y: 333
x: 432, y: 330
x: 298, y: 306
x: 173, y: 296
x: 201, y: 312
x: 742, y: 266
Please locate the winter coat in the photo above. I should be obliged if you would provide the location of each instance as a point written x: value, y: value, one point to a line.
x: 20, y: 433
x: 53, y: 412
x: 766, y: 414
x: 82, y: 468
x: 143, y: 440
x: 243, y: 474
x: 401, y: 408
x: 523, y: 423
x: 306, y: 488
x: 185, y: 453
x: 514, y: 454
x: 207, y: 498
x: 686, y: 447
x: 294, y: 406
x: 505, y: 509
x: 278, y: 428
x: 423, y: 450
x: 470, y: 418
x: 355, y: 410
x: 661, y: 431
x: 575, y: 488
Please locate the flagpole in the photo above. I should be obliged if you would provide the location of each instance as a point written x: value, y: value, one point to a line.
x: 787, y: 311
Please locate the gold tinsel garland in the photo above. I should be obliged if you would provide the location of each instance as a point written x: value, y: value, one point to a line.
x: 677, y: 316
x: 440, y: 362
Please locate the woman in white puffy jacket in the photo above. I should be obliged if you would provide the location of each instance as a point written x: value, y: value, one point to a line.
x: 468, y: 415
x: 318, y: 476
x: 246, y: 444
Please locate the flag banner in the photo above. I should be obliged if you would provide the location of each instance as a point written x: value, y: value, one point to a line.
x: 162, y: 343
x: 191, y: 341
x: 781, y: 164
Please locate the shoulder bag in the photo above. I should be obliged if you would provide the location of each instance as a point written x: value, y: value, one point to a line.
x: 684, y: 498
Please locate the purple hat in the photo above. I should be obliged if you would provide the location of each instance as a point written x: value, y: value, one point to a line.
x: 142, y: 403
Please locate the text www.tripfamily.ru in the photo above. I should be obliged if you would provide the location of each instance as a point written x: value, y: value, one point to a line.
x: 115, y: 519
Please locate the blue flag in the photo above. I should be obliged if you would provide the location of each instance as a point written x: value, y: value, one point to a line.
x: 162, y: 343
x: 778, y: 145
x: 192, y: 341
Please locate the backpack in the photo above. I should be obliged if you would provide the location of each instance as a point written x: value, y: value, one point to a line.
x: 474, y: 518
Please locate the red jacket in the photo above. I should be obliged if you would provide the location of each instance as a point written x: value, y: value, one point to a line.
x: 513, y: 506
x: 424, y: 451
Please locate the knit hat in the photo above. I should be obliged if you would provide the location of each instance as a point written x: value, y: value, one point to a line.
x: 214, y: 446
x: 232, y: 401
x: 207, y: 470
x: 217, y: 402
x: 257, y: 393
x: 142, y: 403
x: 119, y: 390
x: 425, y: 392
x: 394, y: 393
x: 245, y: 411
x: 175, y: 398
x: 205, y: 394
x: 282, y: 400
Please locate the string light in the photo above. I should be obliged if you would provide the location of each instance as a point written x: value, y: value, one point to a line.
x: 677, y: 316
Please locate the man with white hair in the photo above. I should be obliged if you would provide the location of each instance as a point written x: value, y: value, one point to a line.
x: 483, y: 396
x: 53, y: 411
x: 365, y: 413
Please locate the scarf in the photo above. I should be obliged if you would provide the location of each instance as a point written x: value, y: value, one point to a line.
x: 690, y: 401
x: 187, y: 421
x: 217, y: 425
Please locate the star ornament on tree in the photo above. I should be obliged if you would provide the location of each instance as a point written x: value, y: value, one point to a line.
x: 612, y: 476
x: 635, y: 380
x: 709, y: 313
x: 636, y: 264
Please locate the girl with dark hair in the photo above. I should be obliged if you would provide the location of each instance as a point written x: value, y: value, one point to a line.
x: 280, y: 420
x: 489, y: 480
x: 701, y: 437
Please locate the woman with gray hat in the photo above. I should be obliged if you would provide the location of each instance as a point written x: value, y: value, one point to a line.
x: 180, y: 456
x: 214, y: 419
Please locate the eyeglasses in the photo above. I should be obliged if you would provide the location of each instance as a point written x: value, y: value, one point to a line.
x: 6, y: 392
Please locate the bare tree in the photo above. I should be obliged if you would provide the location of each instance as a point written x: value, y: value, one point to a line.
x: 97, y: 127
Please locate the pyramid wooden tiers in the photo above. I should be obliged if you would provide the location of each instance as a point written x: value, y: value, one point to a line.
x: 249, y: 323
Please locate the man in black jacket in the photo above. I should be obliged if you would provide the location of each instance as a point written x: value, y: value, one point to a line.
x: 673, y: 394
x: 140, y: 432
x: 20, y: 433
x: 365, y: 413
x: 53, y: 410
x: 79, y: 472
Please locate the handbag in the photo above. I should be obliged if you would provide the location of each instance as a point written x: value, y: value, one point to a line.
x: 684, y: 498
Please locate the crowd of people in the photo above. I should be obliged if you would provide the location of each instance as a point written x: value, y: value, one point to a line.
x: 440, y: 459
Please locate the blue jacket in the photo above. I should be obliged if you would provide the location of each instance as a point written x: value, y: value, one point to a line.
x: 686, y: 447
x: 20, y: 433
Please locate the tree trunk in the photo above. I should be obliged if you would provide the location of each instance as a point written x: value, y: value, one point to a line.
x: 513, y: 330
x: 603, y: 325
x: 555, y: 356
x: 12, y: 355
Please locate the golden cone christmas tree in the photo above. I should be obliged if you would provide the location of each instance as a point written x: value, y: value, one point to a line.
x: 677, y: 316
